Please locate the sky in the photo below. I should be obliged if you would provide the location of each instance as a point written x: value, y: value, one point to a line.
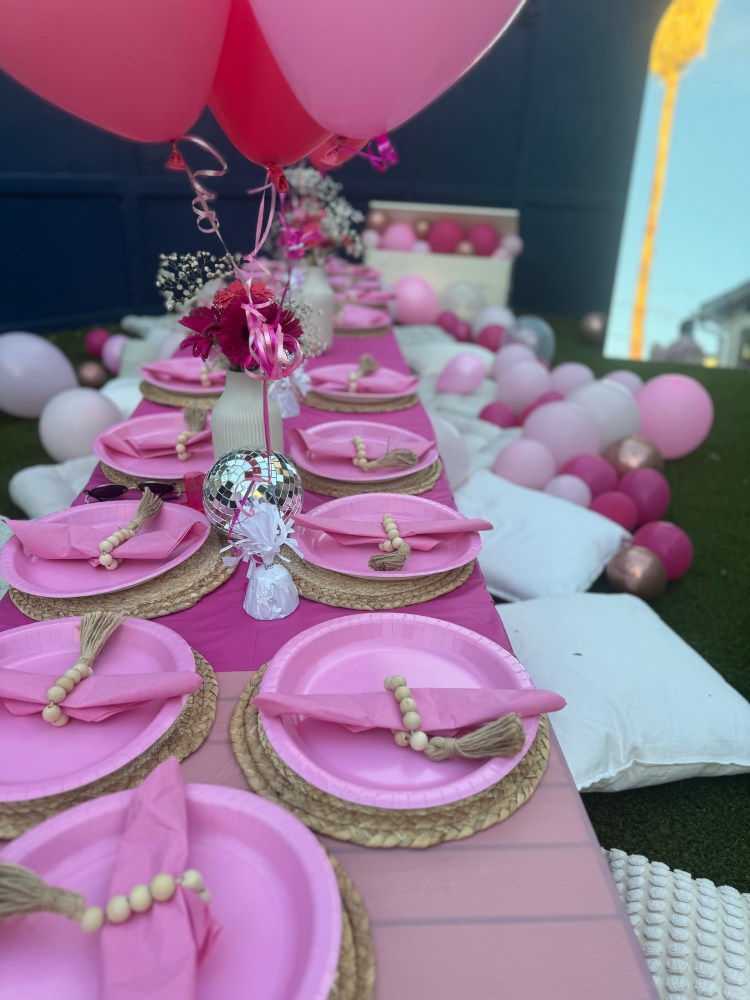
x: 703, y: 239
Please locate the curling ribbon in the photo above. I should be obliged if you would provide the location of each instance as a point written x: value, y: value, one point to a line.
x: 382, y: 156
x: 276, y: 182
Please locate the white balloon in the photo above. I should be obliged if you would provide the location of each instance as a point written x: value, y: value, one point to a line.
x: 464, y: 299
x: 612, y: 406
x: 32, y: 371
x: 72, y: 421
x: 627, y: 378
x: 452, y: 451
x: 493, y: 316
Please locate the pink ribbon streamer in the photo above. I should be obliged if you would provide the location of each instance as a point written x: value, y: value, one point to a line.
x: 381, y: 156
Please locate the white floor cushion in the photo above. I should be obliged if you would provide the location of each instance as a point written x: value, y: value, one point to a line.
x: 643, y: 707
x: 43, y: 489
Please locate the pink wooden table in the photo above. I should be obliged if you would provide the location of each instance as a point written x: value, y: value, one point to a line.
x: 526, y: 910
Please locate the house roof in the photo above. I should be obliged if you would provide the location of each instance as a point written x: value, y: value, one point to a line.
x: 736, y: 299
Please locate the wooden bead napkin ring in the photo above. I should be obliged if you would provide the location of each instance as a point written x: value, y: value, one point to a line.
x: 195, y: 421
x: 367, y: 365
x: 395, y: 458
x: 395, y: 550
x: 147, y: 509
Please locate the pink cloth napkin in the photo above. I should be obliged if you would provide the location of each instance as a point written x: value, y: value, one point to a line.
x: 443, y: 710
x: 154, y: 444
x: 422, y: 534
x: 155, y: 955
x: 366, y: 296
x: 181, y: 371
x: 361, y: 317
x: 47, y: 540
x: 384, y: 380
x: 321, y: 446
x: 95, y: 698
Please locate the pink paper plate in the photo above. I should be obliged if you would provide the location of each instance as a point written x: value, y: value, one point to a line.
x: 273, y: 891
x: 342, y: 469
x: 184, y: 388
x: 342, y: 372
x: 322, y: 550
x: 356, y: 654
x: 78, y: 578
x: 355, y: 317
x: 36, y: 759
x: 169, y: 467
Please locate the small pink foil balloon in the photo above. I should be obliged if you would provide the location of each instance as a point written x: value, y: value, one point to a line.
x: 499, y: 414
x: 444, y: 236
x: 463, y: 374
x: 548, y: 397
x: 629, y: 379
x: 526, y: 463
x: 521, y: 384
x: 670, y: 544
x: 416, y: 300
x: 569, y: 488
x: 95, y: 340
x: 594, y: 470
x: 398, y: 236
x: 570, y: 375
x: 512, y: 354
x: 485, y: 238
x: 112, y: 352
x: 676, y: 414
x: 617, y: 507
x: 492, y: 337
x: 564, y: 428
x: 650, y: 492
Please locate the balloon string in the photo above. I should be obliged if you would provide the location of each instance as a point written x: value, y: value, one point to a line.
x: 382, y: 156
x: 207, y: 220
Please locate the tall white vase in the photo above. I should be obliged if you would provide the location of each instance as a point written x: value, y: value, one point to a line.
x: 316, y: 293
x: 237, y: 417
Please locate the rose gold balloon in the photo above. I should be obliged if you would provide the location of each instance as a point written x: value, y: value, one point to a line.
x: 377, y: 220
x: 466, y: 247
x: 92, y: 374
x: 422, y: 228
x: 637, y: 571
x: 593, y: 326
x: 633, y: 452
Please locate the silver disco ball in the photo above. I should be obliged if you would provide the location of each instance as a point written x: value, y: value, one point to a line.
x: 244, y: 474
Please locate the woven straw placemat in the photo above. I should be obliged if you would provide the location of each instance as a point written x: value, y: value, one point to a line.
x: 175, y: 590
x: 355, y: 975
x: 125, y: 479
x: 181, y: 399
x: 413, y: 484
x: 183, y: 737
x: 360, y: 405
x: 270, y: 777
x: 359, y: 333
x: 385, y: 593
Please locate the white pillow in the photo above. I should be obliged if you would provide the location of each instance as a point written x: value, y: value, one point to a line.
x: 44, y: 489
x: 695, y: 938
x: 540, y: 546
x: 643, y: 707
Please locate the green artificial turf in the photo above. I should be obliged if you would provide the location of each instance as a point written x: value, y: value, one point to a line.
x: 701, y: 825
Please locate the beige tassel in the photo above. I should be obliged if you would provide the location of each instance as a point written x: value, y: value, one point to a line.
x: 389, y: 561
x: 502, y: 738
x: 367, y: 365
x: 147, y: 509
x: 22, y: 891
x: 397, y: 458
x: 94, y: 630
x: 195, y: 418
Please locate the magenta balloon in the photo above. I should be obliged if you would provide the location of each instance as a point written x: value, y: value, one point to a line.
x: 398, y: 236
x: 444, y: 236
x: 416, y: 300
x: 595, y: 471
x: 629, y: 379
x: 140, y: 69
x: 32, y: 371
x: 112, y: 352
x: 415, y: 53
x: 670, y: 544
x: 650, y: 492
x: 569, y: 488
x: 462, y: 332
x: 485, y: 238
x: 526, y: 463
x: 521, y: 384
x: 570, y: 375
x: 676, y: 414
x: 564, y: 428
x: 492, y: 337
x: 617, y: 507
x: 463, y: 375
x: 499, y: 414
x: 509, y: 355
x: 448, y: 321
x: 547, y: 397
x: 95, y: 340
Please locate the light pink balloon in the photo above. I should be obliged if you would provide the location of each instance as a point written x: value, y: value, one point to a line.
x: 613, y: 408
x: 570, y: 375
x: 323, y: 48
x: 676, y: 414
x: 416, y: 300
x: 566, y: 429
x: 512, y: 245
x: 72, y: 421
x: 629, y: 379
x: 509, y: 355
x: 371, y: 238
x: 112, y: 352
x: 463, y: 374
x: 421, y: 246
x: 519, y: 385
x: 525, y: 462
x: 32, y: 371
x: 140, y: 69
x: 398, y: 236
x: 569, y: 488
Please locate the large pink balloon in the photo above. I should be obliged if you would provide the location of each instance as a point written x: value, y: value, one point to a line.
x: 565, y: 429
x: 32, y: 371
x: 670, y: 544
x: 509, y: 355
x: 519, y: 385
x: 570, y: 375
x: 676, y: 414
x: 142, y: 69
x: 416, y: 300
x: 363, y: 68
x: 463, y: 374
x: 526, y: 463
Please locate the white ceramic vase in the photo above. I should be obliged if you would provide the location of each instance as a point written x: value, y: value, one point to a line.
x: 237, y: 417
x: 317, y: 294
